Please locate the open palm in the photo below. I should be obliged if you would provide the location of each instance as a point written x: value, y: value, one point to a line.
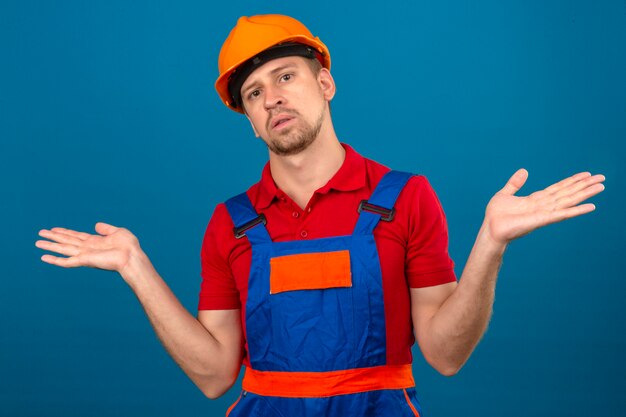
x: 509, y: 217
x: 110, y: 249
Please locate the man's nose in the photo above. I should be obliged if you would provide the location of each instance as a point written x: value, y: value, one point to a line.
x: 273, y: 98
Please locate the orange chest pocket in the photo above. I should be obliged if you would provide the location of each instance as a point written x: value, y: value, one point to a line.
x: 310, y: 271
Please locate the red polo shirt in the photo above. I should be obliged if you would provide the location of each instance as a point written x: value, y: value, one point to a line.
x: 413, y: 248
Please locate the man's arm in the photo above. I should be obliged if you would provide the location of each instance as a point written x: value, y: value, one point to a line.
x: 208, y: 349
x: 450, y: 319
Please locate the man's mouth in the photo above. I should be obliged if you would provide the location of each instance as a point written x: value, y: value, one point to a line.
x: 280, y: 121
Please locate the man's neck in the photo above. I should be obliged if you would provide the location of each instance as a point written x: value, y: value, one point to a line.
x: 299, y: 176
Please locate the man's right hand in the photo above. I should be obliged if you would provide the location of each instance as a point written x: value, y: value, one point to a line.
x: 209, y: 349
x: 111, y: 249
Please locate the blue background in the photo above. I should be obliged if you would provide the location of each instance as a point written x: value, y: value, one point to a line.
x: 108, y: 113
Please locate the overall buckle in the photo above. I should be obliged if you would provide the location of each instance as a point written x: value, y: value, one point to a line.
x: 241, y: 230
x: 385, y: 213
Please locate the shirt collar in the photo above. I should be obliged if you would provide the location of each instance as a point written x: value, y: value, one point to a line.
x: 349, y: 177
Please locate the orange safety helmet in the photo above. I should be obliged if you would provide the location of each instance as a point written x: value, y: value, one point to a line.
x: 255, y: 37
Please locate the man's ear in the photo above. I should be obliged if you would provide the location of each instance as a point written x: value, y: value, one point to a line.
x: 327, y: 83
x: 253, y: 128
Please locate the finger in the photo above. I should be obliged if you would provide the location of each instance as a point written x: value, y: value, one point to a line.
x: 575, y: 187
x: 73, y: 233
x: 570, y: 212
x: 105, y: 229
x: 67, y: 250
x: 566, y: 182
x: 515, y: 182
x: 72, y: 262
x: 579, y: 197
x: 60, y: 237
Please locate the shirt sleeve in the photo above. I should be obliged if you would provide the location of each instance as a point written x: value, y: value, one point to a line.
x: 218, y: 290
x: 428, y: 262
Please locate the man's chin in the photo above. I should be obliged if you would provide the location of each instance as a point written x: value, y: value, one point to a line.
x: 289, y: 148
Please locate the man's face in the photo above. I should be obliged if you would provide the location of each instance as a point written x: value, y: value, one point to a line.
x: 286, y: 103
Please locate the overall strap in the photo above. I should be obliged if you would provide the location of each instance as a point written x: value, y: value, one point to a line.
x: 381, y: 202
x: 246, y: 220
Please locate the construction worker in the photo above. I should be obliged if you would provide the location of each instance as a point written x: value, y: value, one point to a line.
x: 320, y: 277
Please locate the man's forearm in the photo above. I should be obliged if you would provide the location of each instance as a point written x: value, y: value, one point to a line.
x: 456, y: 328
x: 212, y: 366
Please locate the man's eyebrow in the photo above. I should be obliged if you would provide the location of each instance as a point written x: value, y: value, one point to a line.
x: 281, y: 68
x: 272, y: 72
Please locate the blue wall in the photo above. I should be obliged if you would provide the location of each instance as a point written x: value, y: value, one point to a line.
x: 107, y: 112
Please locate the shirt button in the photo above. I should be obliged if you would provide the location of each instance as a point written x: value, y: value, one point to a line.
x: 309, y: 210
x: 295, y: 214
x: 304, y: 233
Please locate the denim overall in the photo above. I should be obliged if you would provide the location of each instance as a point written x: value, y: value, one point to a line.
x: 315, y: 320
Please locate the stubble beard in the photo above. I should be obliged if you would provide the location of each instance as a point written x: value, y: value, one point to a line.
x: 295, y: 139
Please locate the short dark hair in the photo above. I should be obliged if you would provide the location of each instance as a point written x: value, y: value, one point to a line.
x: 315, y: 65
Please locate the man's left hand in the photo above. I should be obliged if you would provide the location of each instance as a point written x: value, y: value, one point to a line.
x: 508, y: 216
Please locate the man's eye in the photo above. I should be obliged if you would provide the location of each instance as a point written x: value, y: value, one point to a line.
x: 254, y: 93
x: 286, y: 77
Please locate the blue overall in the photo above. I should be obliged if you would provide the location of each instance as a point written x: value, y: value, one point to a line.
x: 326, y: 331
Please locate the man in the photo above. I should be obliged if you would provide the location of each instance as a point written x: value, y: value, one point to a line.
x: 318, y: 277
